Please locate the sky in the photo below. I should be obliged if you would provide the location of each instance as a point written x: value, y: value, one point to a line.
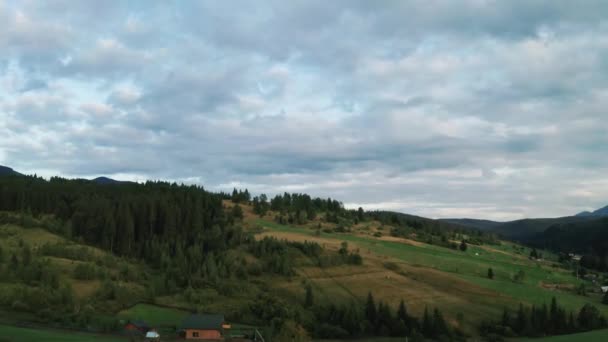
x: 440, y: 108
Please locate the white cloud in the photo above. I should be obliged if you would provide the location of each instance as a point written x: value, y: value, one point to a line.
x: 477, y: 108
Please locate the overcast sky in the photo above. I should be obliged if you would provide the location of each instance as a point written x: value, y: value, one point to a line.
x: 479, y: 108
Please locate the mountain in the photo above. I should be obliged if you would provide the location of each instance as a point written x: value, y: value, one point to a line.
x: 588, y: 237
x: 474, y: 223
x: 7, y: 171
x: 521, y: 230
x: 602, y: 212
x: 105, y: 180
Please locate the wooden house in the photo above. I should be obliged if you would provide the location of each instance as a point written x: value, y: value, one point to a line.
x: 137, y: 327
x: 204, y: 327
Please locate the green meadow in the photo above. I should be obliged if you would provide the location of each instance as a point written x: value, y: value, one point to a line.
x: 591, y: 336
x: 18, y: 334
x: 472, y: 266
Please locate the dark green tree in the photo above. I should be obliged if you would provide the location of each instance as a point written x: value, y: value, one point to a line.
x: 490, y: 273
x: 463, y: 245
x: 427, y: 323
x: 533, y: 254
x: 370, y: 309
x: 309, y: 300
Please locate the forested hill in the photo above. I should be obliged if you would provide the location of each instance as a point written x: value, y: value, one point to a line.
x: 7, y: 171
x: 521, y: 230
x: 138, y: 220
x: 588, y: 238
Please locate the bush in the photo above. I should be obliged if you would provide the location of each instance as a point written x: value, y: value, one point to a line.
x: 85, y: 271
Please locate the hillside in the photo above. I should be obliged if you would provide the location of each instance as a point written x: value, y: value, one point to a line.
x: 82, y: 255
x: 474, y: 223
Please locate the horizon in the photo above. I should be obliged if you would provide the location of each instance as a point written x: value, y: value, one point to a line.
x: 353, y: 206
x: 476, y: 109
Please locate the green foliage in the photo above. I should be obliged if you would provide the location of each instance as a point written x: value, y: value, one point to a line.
x: 519, y: 277
x: 85, y: 271
x: 539, y: 321
x: 309, y: 299
x: 463, y: 246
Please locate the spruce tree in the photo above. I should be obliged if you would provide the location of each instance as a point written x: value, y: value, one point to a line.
x: 463, y: 246
x: 427, y: 323
x: 402, y: 312
x: 309, y: 301
x: 370, y: 309
x: 439, y: 325
x: 490, y: 273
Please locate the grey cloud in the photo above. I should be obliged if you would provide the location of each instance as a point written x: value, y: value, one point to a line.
x: 452, y: 109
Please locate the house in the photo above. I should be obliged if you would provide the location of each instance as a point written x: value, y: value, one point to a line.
x: 604, y: 289
x: 137, y: 327
x: 204, y: 327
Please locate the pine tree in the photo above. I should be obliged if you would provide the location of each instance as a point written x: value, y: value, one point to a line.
x: 490, y: 273
x: 522, y: 320
x: 506, y: 320
x: 26, y: 255
x: 439, y: 325
x: 533, y: 254
x: 463, y: 246
x: 309, y: 300
x: 427, y: 323
x: 402, y: 312
x: 370, y: 309
x: 14, y: 264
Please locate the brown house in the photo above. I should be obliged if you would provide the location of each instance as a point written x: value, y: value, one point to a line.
x: 137, y: 327
x: 204, y: 327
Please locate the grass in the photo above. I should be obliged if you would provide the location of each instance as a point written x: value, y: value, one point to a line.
x: 17, y: 334
x: 591, y: 336
x: 155, y: 316
x: 470, y: 266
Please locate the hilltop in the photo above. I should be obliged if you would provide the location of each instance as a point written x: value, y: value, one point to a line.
x: 7, y: 171
x: 602, y: 212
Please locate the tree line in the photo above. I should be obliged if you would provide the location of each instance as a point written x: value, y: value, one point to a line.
x: 536, y: 321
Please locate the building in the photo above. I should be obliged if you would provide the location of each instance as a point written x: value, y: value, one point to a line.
x: 604, y: 289
x: 137, y: 327
x: 204, y: 327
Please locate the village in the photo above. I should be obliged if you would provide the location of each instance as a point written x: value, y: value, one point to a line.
x: 195, y: 327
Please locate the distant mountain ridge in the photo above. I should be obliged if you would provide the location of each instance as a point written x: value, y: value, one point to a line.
x: 520, y: 230
x: 7, y: 171
x: 106, y: 180
x: 602, y: 212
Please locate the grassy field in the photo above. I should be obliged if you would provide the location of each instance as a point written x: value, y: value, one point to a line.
x: 591, y: 336
x: 430, y: 275
x: 15, y: 334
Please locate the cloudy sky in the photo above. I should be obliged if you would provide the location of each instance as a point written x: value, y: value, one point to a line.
x: 478, y: 108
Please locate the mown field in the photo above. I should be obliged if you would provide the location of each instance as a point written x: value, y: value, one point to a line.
x: 427, y: 275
